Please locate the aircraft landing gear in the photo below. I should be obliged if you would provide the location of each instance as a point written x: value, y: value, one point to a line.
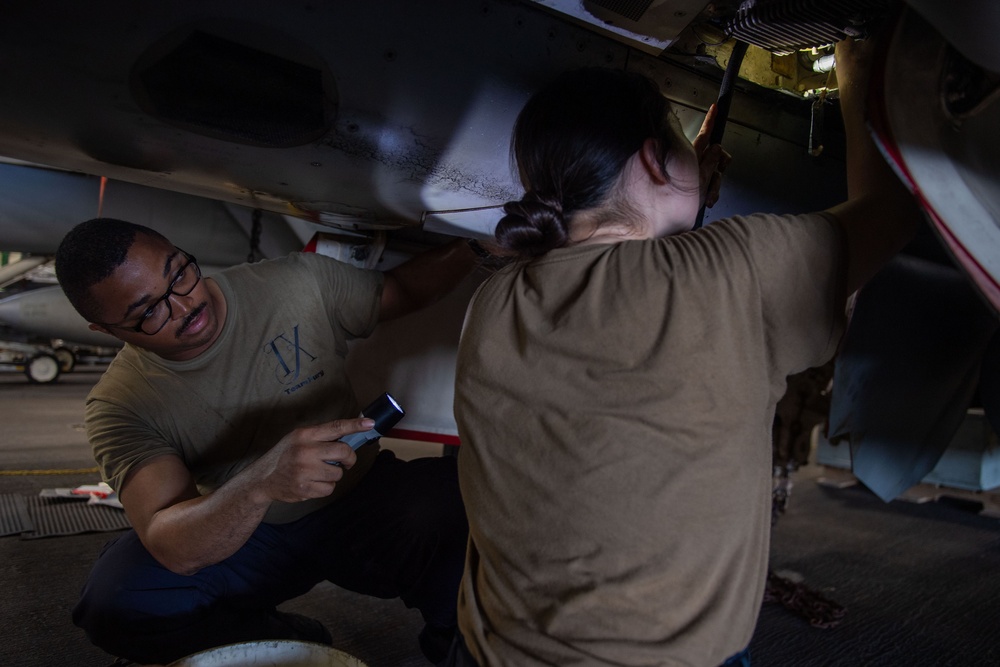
x: 42, y: 368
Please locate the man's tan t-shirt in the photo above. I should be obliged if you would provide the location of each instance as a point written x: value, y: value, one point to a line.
x: 615, y: 405
x: 278, y: 364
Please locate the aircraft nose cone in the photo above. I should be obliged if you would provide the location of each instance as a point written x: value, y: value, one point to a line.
x: 47, y: 313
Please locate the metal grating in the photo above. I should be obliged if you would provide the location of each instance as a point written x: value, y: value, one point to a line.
x: 785, y: 26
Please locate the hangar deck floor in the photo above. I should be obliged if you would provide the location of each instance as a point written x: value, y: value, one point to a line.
x: 920, y: 583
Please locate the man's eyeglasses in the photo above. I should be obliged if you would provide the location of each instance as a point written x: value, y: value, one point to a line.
x: 159, y: 313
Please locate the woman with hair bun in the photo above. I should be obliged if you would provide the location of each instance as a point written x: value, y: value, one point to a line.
x: 616, y: 383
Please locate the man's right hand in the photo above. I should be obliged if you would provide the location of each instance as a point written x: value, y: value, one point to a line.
x: 308, y: 462
x: 186, y: 531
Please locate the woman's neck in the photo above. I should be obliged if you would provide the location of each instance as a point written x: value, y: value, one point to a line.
x: 608, y: 224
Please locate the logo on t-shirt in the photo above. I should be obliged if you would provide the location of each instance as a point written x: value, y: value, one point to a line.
x: 289, y: 355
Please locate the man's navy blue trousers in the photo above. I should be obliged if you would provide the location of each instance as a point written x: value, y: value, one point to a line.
x: 401, y: 533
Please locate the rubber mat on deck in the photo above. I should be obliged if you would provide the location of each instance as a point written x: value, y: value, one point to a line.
x: 14, y: 518
x: 33, y: 517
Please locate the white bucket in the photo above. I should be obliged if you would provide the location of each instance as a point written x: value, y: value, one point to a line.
x: 271, y: 653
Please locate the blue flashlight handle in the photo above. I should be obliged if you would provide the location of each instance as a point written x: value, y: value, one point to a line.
x: 355, y: 440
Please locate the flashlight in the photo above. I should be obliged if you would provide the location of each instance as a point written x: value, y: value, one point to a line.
x: 386, y: 412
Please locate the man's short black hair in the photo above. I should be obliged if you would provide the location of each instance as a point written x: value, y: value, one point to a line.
x: 91, y: 252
